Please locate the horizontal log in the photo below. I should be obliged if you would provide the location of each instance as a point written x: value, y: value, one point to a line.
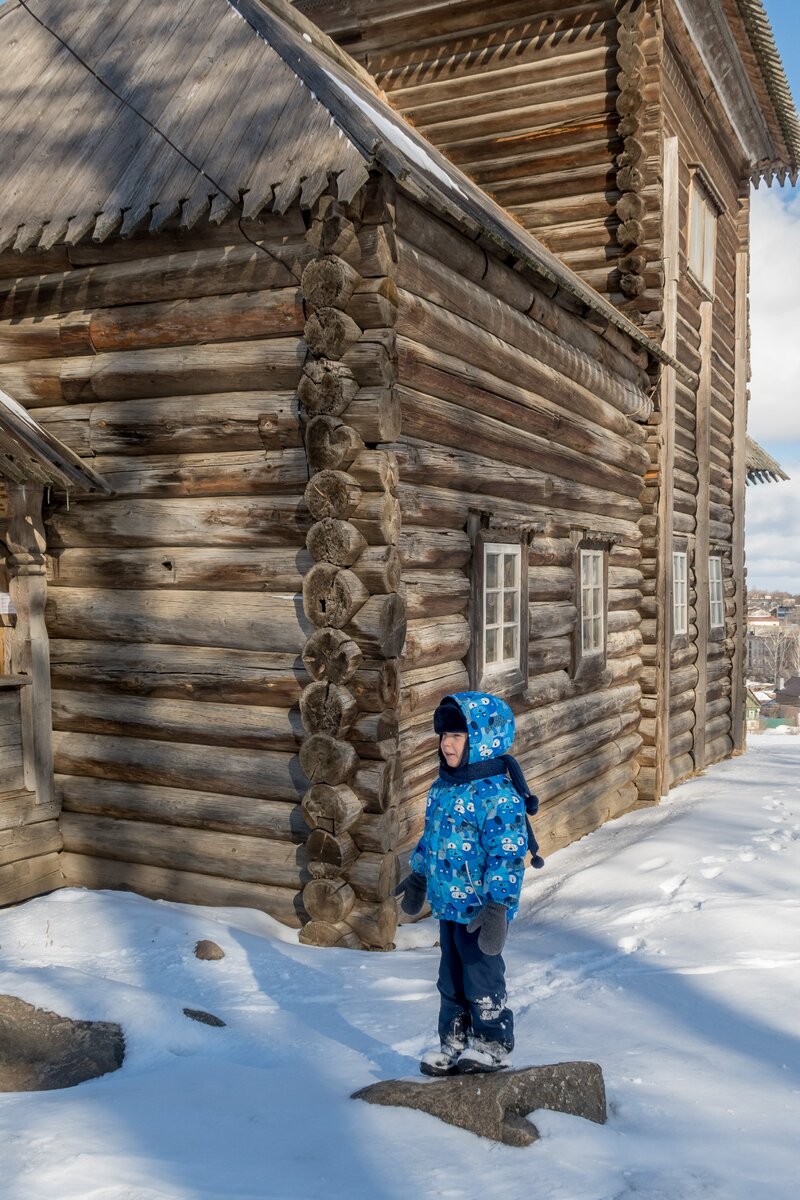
x: 379, y: 568
x: 204, y: 272
x: 237, y: 620
x: 235, y: 725
x: 221, y: 423
x: 428, y: 642
x: 424, y: 688
x: 274, y: 364
x: 30, y: 877
x: 226, y: 521
x: 329, y: 333
x: 379, y: 626
x: 269, y: 775
x: 231, y: 856
x: 334, y: 541
x: 181, y: 886
x: 446, y: 549
x: 331, y: 444
x: 374, y: 876
x: 226, y: 473
x: 331, y: 654
x: 332, y: 494
x: 572, y: 775
x: 202, y: 673
x: 436, y: 593
x: 551, y: 583
x: 375, y: 924
x: 329, y: 282
x: 250, y: 815
x: 379, y: 783
x: 551, y: 620
x: 377, y: 832
x: 29, y: 841
x: 326, y: 387
x: 327, y: 760
x: 327, y: 708
x: 211, y: 568
x: 24, y: 809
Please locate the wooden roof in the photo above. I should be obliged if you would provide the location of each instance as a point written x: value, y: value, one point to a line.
x: 29, y: 452
x: 762, y: 42
x: 120, y: 111
x: 760, y: 466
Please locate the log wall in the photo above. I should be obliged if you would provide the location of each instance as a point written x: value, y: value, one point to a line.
x: 544, y: 106
x: 174, y: 608
x: 515, y: 408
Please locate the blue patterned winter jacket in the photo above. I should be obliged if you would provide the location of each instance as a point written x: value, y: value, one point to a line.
x: 473, y: 847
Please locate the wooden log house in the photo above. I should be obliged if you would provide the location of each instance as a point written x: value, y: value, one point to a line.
x: 625, y: 135
x: 369, y: 441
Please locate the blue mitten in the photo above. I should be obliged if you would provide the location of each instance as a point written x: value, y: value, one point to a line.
x: 492, y: 921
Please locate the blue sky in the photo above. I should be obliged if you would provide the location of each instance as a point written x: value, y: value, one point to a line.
x: 773, y: 511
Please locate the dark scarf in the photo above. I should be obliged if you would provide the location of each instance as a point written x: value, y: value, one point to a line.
x: 504, y: 764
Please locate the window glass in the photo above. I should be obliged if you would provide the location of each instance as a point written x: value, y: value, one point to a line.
x: 592, y: 602
x: 680, y: 593
x: 501, y: 606
x: 702, y: 235
x: 715, y: 593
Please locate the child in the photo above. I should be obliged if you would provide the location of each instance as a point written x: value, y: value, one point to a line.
x: 470, y: 862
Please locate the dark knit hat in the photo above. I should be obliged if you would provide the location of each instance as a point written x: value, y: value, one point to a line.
x: 449, y: 717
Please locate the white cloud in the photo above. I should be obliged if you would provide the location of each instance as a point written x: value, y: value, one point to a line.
x: 774, y: 413
x: 772, y: 530
x: 773, y: 510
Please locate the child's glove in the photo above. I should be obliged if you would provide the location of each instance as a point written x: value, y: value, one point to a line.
x: 492, y: 921
x: 412, y: 890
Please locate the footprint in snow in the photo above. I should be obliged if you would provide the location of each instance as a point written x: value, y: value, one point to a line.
x: 747, y: 856
x: 711, y: 872
x: 653, y: 864
x: 670, y: 886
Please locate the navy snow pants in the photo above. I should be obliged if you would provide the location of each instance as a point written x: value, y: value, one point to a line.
x: 472, y: 987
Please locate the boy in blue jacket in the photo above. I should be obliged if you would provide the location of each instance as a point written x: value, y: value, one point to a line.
x: 470, y: 862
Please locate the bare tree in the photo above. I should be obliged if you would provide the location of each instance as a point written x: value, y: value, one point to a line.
x: 775, y: 653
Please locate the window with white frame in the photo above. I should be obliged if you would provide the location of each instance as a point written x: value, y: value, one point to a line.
x: 592, y: 602
x: 702, y: 234
x: 502, y: 594
x: 680, y: 592
x: 715, y: 593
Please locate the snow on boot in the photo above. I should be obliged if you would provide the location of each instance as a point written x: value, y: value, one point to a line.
x: 482, y: 1057
x: 439, y: 1062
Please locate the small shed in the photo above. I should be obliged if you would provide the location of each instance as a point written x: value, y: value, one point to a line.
x: 31, y: 461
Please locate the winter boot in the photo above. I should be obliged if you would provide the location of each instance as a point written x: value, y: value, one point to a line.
x: 443, y: 1061
x: 482, y: 1056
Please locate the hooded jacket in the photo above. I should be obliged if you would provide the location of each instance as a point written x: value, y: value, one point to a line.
x: 472, y: 850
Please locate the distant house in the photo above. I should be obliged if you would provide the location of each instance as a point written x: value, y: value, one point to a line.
x: 787, y: 700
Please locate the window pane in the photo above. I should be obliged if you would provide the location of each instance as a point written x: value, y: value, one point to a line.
x: 492, y: 570
x: 696, y: 243
x: 510, y: 570
x: 596, y: 569
x: 491, y: 608
x: 709, y: 242
x: 510, y: 642
x: 586, y: 633
x: 510, y: 606
x: 491, y: 645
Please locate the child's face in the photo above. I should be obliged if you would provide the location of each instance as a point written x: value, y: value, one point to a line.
x: 453, y: 745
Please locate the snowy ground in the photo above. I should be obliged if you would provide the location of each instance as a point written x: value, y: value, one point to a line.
x: 666, y: 946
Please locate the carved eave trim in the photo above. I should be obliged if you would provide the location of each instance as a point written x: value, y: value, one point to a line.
x: 710, y: 32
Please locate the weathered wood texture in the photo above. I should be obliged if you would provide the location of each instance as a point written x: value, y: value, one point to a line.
x: 537, y: 433
x: 175, y: 608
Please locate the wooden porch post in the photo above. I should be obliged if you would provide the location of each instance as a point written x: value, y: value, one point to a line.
x: 30, y: 650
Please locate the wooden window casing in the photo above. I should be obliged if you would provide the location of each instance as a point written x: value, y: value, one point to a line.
x: 498, y: 657
x: 680, y: 593
x: 702, y: 234
x: 590, y: 641
x: 716, y: 593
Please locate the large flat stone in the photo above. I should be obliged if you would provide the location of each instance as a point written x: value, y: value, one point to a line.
x: 496, y: 1106
x: 40, y: 1050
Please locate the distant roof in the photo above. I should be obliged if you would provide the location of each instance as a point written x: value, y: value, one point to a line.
x: 760, y: 466
x: 769, y: 60
x: 30, y: 452
x: 790, y: 691
x: 117, y: 111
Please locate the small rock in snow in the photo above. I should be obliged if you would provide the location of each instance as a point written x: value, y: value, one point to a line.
x: 208, y: 951
x: 205, y: 1018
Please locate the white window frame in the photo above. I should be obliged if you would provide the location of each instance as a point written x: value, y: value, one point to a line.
x: 500, y: 593
x: 716, y: 595
x: 592, y: 606
x: 680, y: 592
x: 701, y: 252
